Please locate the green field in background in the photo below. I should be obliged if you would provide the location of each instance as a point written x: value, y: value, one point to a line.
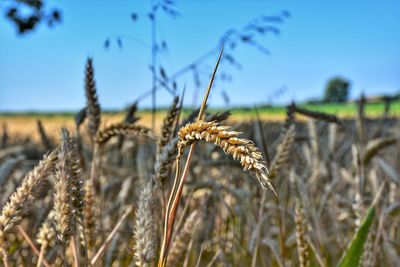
x: 339, y: 109
x: 347, y: 110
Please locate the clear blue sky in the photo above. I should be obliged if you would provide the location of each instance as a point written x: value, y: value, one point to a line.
x: 359, y: 40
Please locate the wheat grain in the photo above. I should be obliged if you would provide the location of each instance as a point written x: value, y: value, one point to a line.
x: 182, y: 239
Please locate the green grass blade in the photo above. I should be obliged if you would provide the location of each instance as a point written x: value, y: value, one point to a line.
x: 353, y: 253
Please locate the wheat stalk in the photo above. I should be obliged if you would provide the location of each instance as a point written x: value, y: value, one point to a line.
x: 45, y: 236
x: 182, y: 239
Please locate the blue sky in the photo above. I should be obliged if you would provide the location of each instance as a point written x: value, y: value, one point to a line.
x: 359, y: 40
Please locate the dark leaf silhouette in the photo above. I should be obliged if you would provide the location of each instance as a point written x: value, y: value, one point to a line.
x: 107, y: 43
x: 163, y: 74
x: 134, y: 17
x: 27, y: 15
x: 119, y: 43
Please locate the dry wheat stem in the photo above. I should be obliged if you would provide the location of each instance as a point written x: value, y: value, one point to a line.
x: 45, y: 235
x: 41, y: 255
x: 258, y: 228
x: 31, y: 244
x: 110, y: 236
x: 74, y: 249
x: 181, y: 240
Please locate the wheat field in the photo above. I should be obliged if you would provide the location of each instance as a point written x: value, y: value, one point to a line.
x: 200, y: 189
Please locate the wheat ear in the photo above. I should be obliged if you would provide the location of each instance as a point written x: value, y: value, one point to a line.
x: 125, y: 129
x: 130, y: 116
x: 62, y: 198
x: 167, y: 128
x: 92, y: 104
x: 4, y: 136
x: 77, y: 182
x: 80, y: 117
x: 63, y: 216
x: 318, y: 115
x: 89, y: 216
x: 374, y: 146
x: 218, y: 117
x: 239, y: 148
x: 165, y: 161
x: 43, y: 136
x: 13, y: 210
x: 290, y: 116
x: 301, y: 233
x: 145, y: 232
x: 282, y: 153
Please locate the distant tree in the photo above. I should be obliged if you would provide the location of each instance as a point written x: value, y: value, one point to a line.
x: 337, y: 90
